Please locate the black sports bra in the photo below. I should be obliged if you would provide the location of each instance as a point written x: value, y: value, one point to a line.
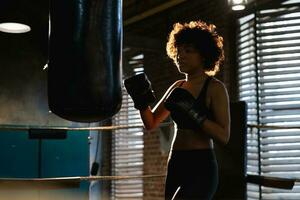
x: 183, y: 123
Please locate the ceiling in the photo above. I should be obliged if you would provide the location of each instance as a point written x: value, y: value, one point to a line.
x: 146, y: 22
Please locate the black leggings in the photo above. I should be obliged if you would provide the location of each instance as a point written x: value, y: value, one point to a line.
x: 195, y: 172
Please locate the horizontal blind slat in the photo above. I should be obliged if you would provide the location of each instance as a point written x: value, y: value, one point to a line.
x: 127, y: 152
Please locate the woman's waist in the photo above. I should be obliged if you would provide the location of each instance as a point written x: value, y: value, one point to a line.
x: 187, y: 139
x: 195, y: 155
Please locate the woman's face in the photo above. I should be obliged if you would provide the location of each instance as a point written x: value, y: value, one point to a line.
x: 188, y: 59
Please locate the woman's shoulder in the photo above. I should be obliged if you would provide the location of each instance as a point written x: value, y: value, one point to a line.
x: 216, y: 85
x: 177, y: 83
x: 174, y: 85
x: 214, y: 82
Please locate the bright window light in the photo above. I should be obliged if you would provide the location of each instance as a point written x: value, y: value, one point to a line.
x: 238, y: 7
x: 237, y: 4
x: 270, y: 84
x: 11, y: 27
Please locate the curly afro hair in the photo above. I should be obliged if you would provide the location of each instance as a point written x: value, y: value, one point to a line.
x: 203, y: 37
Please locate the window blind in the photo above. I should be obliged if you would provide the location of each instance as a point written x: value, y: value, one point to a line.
x: 268, y: 43
x: 127, y: 146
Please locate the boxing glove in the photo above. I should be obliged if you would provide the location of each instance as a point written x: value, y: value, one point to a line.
x: 140, y: 90
x: 181, y: 103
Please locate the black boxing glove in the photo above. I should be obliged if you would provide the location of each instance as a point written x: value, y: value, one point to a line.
x: 180, y: 102
x: 140, y: 90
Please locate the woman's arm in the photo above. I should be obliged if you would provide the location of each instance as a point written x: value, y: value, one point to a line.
x: 219, y: 129
x: 152, y: 118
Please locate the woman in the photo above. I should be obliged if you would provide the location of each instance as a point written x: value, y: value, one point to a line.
x: 199, y: 106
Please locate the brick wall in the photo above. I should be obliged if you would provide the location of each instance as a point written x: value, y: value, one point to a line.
x: 154, y: 163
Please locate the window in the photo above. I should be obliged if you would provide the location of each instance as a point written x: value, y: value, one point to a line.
x: 127, y: 146
x: 268, y: 54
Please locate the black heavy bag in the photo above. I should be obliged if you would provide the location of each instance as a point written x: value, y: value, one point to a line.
x: 84, y: 69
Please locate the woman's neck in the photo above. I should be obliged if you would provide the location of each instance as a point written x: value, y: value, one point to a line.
x: 196, y: 77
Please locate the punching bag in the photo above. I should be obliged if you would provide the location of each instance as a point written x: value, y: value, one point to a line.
x: 85, y: 53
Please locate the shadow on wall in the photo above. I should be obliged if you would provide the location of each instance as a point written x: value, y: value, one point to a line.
x: 22, y: 58
x: 23, y: 82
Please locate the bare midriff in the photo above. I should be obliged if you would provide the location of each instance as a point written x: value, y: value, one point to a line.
x: 187, y: 139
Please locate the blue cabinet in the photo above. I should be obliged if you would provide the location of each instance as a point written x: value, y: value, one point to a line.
x: 21, y: 157
x: 18, y: 155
